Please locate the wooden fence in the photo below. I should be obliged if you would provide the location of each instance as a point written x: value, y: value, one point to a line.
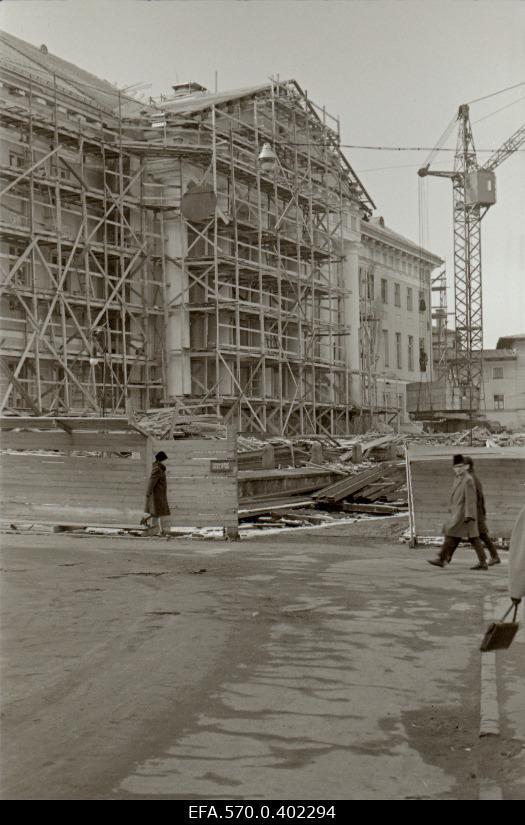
x: 202, y: 480
x: 107, y: 489
x: 501, y: 471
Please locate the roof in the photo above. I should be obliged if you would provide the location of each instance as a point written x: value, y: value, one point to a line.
x: 200, y: 101
x: 50, y: 69
x: 375, y: 227
x: 499, y: 355
x: 507, y: 342
x: 44, y: 66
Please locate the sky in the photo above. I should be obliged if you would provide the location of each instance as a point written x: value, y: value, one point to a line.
x: 393, y: 71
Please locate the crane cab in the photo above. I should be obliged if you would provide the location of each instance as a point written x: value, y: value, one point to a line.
x: 480, y: 188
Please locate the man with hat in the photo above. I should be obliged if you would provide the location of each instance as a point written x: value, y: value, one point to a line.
x: 463, y: 522
x: 482, y: 515
x: 157, y: 496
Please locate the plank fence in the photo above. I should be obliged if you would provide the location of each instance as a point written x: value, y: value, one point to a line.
x: 500, y: 469
x: 107, y: 487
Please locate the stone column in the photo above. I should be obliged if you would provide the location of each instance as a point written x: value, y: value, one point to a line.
x: 351, y: 305
x: 178, y: 318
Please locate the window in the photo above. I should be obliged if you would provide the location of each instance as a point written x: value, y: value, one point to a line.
x: 362, y: 282
x: 370, y: 286
x: 410, y: 299
x: 411, y: 352
x: 499, y: 402
x: 399, y: 357
x: 397, y: 295
x: 22, y: 275
x: 16, y: 160
x: 384, y: 290
x: 497, y: 372
x: 386, y: 352
x: 58, y: 171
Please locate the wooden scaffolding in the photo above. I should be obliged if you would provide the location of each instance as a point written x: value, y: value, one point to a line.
x: 148, y: 256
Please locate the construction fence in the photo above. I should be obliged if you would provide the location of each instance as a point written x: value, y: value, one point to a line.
x: 82, y: 478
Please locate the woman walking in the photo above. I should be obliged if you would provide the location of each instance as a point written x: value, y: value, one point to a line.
x: 157, y: 495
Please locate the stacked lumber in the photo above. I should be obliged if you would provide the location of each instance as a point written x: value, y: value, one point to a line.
x: 385, y: 481
x: 171, y: 422
x: 285, y: 455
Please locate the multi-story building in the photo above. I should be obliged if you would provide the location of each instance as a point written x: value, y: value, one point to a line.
x: 396, y: 315
x: 210, y: 249
x: 504, y: 381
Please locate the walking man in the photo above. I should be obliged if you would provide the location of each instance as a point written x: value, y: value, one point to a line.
x: 482, y: 515
x: 463, y: 522
x: 157, y: 495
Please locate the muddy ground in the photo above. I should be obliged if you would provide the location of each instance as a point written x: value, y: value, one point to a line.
x: 330, y: 663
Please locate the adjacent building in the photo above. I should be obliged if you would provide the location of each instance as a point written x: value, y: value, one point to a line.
x: 396, y: 315
x: 504, y: 381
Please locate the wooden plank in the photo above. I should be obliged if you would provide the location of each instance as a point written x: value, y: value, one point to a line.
x: 76, y: 441
x: 105, y: 424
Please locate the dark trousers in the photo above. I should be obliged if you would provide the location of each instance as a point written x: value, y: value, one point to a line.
x: 487, y: 541
x: 450, y: 544
x: 483, y: 537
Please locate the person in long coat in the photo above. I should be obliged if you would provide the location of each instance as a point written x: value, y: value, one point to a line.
x: 517, y: 560
x: 463, y: 522
x: 157, y: 495
x: 482, y: 517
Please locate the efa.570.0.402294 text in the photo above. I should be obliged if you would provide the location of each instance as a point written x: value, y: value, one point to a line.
x: 261, y: 811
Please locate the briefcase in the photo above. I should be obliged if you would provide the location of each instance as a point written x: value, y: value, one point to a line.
x: 500, y: 634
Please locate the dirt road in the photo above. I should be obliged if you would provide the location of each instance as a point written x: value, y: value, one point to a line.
x: 328, y: 664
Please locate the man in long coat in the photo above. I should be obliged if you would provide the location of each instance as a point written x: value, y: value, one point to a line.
x: 482, y: 515
x: 157, y: 495
x: 463, y: 522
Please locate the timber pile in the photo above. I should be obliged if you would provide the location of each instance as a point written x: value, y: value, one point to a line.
x: 385, y: 481
x: 168, y: 423
x: 284, y: 455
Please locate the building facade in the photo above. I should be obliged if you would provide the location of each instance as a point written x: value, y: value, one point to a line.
x: 504, y: 382
x: 396, y: 316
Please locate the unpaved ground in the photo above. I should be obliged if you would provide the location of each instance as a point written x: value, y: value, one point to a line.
x: 320, y: 664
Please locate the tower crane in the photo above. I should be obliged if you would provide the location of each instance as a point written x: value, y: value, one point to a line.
x: 474, y: 192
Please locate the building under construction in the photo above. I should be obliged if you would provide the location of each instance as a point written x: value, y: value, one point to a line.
x: 203, y: 250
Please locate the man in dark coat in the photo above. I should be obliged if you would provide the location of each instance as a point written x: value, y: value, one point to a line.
x: 157, y: 495
x: 463, y: 522
x: 482, y: 515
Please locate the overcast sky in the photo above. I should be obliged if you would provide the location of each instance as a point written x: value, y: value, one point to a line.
x: 395, y: 71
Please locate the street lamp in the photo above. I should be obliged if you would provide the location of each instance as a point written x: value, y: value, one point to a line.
x: 267, y: 158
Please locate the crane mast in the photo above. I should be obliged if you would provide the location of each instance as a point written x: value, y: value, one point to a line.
x: 474, y: 192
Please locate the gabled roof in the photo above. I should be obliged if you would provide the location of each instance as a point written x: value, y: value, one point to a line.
x: 41, y: 64
x: 205, y: 100
x: 46, y: 67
